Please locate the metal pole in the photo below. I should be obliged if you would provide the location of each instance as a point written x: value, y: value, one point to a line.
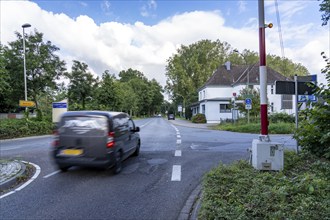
x: 263, y: 73
x: 25, y: 83
x: 248, y: 83
x: 25, y: 86
x: 296, y: 105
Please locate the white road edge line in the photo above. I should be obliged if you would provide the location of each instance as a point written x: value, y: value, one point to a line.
x: 145, y: 124
x: 178, y: 141
x: 178, y: 153
x: 176, y: 173
x: 52, y: 174
x: 38, y: 170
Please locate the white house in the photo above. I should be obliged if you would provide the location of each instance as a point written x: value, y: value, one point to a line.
x: 217, y: 94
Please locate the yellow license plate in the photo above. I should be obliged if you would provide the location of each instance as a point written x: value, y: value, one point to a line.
x: 73, y: 152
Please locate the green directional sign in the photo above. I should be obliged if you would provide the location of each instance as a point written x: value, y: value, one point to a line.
x: 248, y: 96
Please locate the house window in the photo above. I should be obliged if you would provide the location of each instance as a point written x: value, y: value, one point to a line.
x: 225, y: 108
x: 286, y: 102
x: 200, y: 95
x: 204, y: 94
x: 203, y: 109
x: 271, y: 89
x: 272, y: 107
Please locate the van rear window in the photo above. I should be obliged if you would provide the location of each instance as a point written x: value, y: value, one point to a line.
x: 96, y: 125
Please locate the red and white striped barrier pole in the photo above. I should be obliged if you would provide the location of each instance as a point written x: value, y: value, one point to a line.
x: 263, y: 73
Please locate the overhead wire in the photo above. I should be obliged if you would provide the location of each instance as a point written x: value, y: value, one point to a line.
x: 280, y: 34
x: 279, y: 28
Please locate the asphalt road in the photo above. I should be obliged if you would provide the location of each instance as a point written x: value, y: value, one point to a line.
x: 154, y: 185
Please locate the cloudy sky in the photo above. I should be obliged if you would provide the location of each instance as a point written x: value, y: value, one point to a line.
x: 143, y: 34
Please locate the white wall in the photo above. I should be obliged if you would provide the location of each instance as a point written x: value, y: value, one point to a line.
x: 212, y: 109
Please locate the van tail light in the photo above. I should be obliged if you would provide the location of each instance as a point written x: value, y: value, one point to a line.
x: 55, y: 139
x: 111, y: 139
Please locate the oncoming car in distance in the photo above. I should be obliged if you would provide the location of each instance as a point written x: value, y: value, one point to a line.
x: 95, y: 139
x: 170, y: 117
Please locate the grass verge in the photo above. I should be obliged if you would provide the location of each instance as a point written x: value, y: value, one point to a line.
x: 237, y: 191
x: 273, y: 128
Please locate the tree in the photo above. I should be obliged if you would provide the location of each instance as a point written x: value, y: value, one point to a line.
x: 285, y: 66
x: 105, y: 93
x: 157, y: 96
x: 190, y: 68
x: 246, y: 57
x: 325, y: 8
x: 127, y: 99
x: 127, y: 75
x: 255, y: 111
x: 5, y: 87
x: 43, y: 68
x: 313, y: 135
x: 148, y: 93
x: 81, y: 86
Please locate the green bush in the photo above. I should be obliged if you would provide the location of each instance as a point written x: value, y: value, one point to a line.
x: 14, y: 128
x: 238, y: 191
x: 313, y: 134
x: 199, y: 118
x: 281, y: 117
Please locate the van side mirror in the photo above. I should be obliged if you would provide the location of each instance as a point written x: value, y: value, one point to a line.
x: 137, y: 129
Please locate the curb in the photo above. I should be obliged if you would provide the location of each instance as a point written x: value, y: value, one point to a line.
x: 12, y: 180
x: 23, y: 185
x: 25, y: 138
x: 191, y: 208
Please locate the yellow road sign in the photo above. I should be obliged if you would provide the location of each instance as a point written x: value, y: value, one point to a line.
x: 23, y: 103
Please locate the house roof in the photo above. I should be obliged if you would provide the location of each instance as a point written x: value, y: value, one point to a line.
x: 238, y: 75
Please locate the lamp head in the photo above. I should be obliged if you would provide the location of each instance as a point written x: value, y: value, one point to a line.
x: 270, y: 25
x: 26, y: 25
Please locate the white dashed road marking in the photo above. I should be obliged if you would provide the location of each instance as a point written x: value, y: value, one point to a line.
x: 178, y: 153
x: 52, y: 174
x: 176, y: 173
x: 176, y: 170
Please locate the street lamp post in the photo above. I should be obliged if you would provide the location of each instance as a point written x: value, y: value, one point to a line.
x: 25, y: 84
x: 248, y: 80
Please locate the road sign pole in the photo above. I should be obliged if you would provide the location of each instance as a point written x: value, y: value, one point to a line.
x: 296, y: 106
x: 248, y: 116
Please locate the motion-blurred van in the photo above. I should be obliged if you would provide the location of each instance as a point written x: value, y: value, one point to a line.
x: 95, y: 139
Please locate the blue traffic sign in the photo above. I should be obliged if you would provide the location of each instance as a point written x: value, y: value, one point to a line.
x: 248, y: 101
x: 306, y: 98
x: 59, y: 105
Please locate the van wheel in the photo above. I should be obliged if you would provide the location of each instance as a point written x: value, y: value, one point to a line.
x: 118, y: 163
x: 137, y: 150
x: 64, y: 168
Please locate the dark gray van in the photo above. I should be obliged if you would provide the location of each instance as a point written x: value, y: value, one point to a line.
x: 95, y: 139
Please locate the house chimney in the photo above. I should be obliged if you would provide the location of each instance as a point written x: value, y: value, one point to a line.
x: 227, y: 64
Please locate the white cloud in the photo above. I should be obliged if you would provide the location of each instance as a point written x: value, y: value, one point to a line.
x: 84, y: 4
x: 105, y: 5
x: 152, y: 4
x: 287, y: 9
x: 148, y: 8
x: 241, y: 6
x: 117, y: 46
